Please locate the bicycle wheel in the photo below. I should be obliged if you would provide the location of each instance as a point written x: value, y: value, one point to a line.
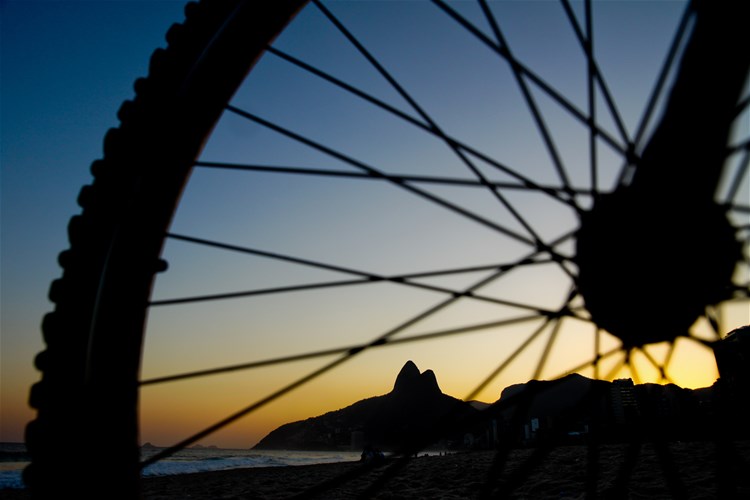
x: 396, y: 278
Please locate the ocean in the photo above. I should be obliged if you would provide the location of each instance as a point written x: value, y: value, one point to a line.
x: 13, y: 459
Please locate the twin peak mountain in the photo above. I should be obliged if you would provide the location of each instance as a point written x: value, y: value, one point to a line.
x: 389, y: 421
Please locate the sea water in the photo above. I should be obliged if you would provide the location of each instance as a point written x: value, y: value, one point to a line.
x: 13, y: 459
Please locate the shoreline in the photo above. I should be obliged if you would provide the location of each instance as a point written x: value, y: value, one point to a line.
x: 456, y: 476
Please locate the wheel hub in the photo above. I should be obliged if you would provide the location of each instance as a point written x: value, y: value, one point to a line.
x: 647, y: 270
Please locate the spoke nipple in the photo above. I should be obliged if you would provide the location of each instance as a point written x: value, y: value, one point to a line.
x: 630, y: 155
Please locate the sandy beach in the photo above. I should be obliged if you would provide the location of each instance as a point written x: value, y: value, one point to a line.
x: 459, y: 476
x: 560, y: 475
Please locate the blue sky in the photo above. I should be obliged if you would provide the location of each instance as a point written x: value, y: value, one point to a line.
x: 67, y: 66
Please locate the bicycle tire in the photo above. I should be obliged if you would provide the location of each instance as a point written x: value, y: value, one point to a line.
x: 93, y: 338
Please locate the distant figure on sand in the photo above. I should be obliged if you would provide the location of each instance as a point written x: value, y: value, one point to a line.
x: 370, y: 454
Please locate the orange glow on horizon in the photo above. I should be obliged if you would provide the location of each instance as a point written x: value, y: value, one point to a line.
x: 171, y: 412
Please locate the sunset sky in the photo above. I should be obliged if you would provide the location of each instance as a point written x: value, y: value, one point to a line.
x: 67, y: 66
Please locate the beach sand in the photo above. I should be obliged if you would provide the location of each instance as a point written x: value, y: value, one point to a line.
x: 459, y: 476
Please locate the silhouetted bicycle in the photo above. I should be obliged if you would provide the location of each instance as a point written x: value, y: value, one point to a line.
x: 515, y: 202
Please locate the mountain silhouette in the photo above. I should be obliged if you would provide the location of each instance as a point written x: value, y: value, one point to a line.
x: 414, y: 411
x: 553, y: 398
x: 574, y: 408
x: 410, y: 381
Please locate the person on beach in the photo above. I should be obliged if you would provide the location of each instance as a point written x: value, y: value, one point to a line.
x: 370, y: 454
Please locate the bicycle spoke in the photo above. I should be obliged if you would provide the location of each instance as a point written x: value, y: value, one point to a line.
x: 659, y: 367
x: 366, y: 278
x: 500, y: 460
x: 713, y: 321
x: 530, y: 101
x: 338, y: 284
x: 546, y: 88
x: 672, y: 478
x: 509, y: 359
x: 743, y: 105
x: 593, y: 470
x: 619, y: 365
x: 597, y: 351
x: 421, y: 337
x: 260, y: 291
x: 632, y: 368
x: 736, y: 148
x: 594, y: 74
x: 655, y: 97
x: 460, y: 330
x: 453, y: 142
x: 596, y: 362
x: 433, y: 126
x: 168, y: 452
x: 528, y: 340
x: 415, y: 179
x: 547, y: 348
x: 422, y: 274
x: 740, y: 176
x: 553, y: 336
x: 350, y: 88
x: 669, y: 63
x: 627, y: 466
x: 374, y: 172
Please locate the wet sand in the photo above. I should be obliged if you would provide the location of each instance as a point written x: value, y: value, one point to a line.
x: 560, y: 475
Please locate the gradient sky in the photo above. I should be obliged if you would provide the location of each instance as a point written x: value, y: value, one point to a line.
x: 67, y: 66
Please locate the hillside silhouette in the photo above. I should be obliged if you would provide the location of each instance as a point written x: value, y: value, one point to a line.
x: 414, y: 407
x: 572, y: 409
